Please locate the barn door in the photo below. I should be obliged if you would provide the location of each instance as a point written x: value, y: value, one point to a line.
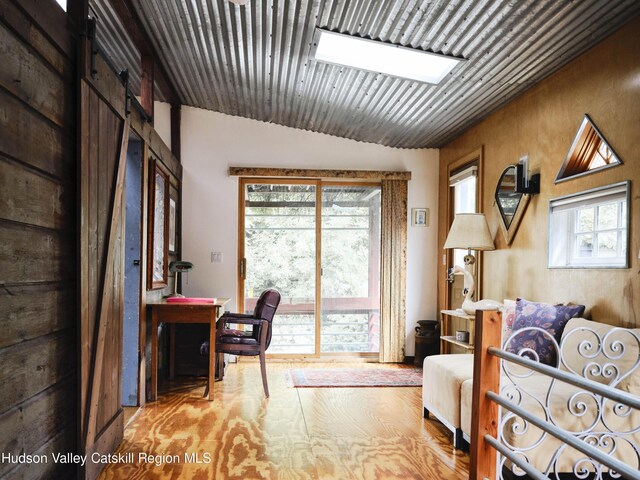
x: 102, y: 159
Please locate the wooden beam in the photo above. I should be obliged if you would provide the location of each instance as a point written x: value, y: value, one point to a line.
x: 147, y: 83
x: 486, y: 377
x: 306, y: 173
x: 133, y: 25
x: 175, y: 129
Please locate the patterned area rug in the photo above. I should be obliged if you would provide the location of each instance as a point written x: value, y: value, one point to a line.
x: 355, y: 377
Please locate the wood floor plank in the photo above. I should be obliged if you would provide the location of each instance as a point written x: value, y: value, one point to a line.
x: 310, y: 433
x: 383, y: 458
x: 361, y: 412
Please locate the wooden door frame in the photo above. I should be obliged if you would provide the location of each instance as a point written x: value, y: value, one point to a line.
x: 319, y: 183
x: 474, y: 157
x: 142, y: 328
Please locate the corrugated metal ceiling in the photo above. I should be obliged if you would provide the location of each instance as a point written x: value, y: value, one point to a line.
x: 117, y: 45
x: 254, y: 61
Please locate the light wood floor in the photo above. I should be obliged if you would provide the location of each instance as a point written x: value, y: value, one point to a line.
x: 298, y: 433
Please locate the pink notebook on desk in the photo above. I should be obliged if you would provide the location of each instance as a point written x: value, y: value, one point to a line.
x: 190, y: 300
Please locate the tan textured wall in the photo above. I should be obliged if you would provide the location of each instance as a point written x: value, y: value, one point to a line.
x: 605, y: 83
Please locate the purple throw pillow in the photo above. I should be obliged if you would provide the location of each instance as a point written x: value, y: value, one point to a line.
x: 551, y: 318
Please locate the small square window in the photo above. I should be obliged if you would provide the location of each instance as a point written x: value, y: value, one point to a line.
x: 607, y: 244
x: 585, y: 246
x: 608, y: 216
x: 585, y: 219
x: 590, y: 229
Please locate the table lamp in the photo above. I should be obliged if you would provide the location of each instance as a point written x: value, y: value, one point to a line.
x: 469, y: 231
x: 178, y: 267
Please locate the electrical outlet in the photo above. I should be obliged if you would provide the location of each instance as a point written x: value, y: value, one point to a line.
x: 216, y: 257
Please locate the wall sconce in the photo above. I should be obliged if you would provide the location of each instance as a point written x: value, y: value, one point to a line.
x: 526, y: 183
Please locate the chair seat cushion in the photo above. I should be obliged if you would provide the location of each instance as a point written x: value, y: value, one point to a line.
x: 232, y: 337
x: 243, y: 339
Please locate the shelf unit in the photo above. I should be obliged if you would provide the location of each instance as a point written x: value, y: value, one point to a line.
x: 446, y: 339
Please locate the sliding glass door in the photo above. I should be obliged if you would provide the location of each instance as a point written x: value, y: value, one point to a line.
x: 350, y: 314
x: 280, y: 252
x: 319, y: 245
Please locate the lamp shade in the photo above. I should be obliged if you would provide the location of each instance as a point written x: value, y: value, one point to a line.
x: 180, y: 266
x: 470, y: 231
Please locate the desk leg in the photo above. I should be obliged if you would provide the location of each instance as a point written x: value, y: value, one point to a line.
x: 212, y: 351
x: 172, y: 350
x: 154, y: 356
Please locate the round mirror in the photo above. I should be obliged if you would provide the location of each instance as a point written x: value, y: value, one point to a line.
x: 510, y: 203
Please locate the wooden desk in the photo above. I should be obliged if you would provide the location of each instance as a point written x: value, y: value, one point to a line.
x: 183, y: 313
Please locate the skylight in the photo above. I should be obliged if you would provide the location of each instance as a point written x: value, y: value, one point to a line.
x: 377, y: 56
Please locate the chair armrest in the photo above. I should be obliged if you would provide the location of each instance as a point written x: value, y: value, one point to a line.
x: 242, y: 321
x: 227, y: 316
x: 235, y: 318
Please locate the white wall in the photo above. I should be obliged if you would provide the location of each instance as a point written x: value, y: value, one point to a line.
x: 212, y: 142
x: 162, y: 121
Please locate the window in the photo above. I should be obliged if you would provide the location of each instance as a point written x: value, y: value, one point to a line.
x: 590, y: 229
x: 63, y: 4
x: 328, y: 274
x: 463, y: 184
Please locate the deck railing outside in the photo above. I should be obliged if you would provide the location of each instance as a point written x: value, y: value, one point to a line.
x: 348, y: 325
x: 574, y: 417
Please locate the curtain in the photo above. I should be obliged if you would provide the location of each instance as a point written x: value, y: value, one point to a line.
x: 393, y: 270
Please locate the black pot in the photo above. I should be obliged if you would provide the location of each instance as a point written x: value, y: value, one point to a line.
x: 427, y: 340
x: 428, y: 328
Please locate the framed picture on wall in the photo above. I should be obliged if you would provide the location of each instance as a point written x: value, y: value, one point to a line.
x: 419, y: 217
x: 158, y: 232
x: 172, y: 225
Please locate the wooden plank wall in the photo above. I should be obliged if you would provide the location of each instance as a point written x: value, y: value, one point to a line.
x: 542, y: 123
x: 37, y: 236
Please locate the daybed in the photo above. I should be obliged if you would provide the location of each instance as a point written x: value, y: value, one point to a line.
x: 590, y: 349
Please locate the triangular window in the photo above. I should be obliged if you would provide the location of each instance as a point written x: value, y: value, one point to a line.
x: 589, y: 153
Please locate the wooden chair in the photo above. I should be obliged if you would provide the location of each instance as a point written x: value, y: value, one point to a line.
x: 250, y: 342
